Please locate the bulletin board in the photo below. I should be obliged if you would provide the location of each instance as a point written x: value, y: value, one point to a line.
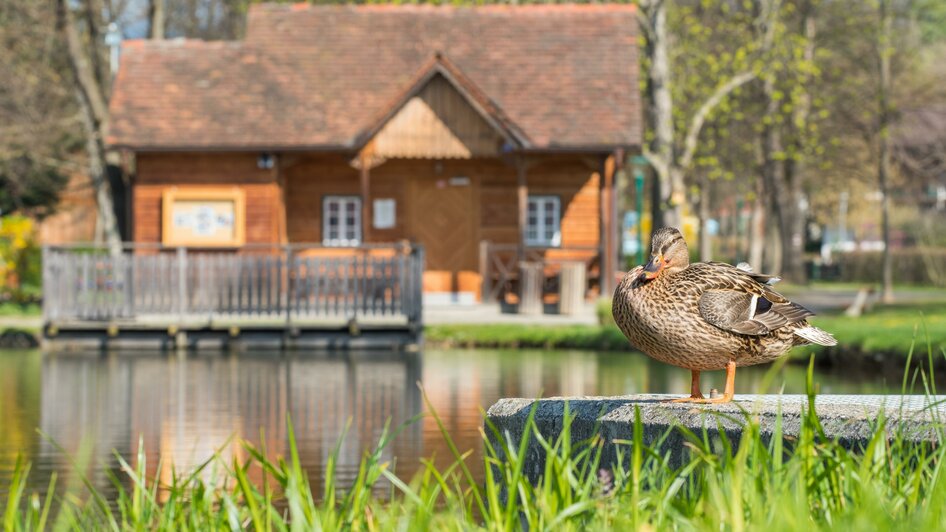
x: 203, y: 217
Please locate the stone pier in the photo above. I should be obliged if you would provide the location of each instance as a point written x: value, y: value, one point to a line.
x: 849, y: 418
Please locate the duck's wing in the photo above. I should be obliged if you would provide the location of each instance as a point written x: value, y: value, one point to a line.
x: 745, y: 268
x: 741, y: 304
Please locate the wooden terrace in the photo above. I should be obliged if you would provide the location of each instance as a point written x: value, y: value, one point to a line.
x: 290, y: 296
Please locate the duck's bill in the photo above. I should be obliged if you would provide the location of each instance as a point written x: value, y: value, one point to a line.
x: 652, y: 268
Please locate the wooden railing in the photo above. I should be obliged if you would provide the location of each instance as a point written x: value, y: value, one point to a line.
x: 295, y: 282
x: 500, y: 265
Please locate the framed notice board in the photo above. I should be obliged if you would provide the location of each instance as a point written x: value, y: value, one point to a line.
x: 203, y: 217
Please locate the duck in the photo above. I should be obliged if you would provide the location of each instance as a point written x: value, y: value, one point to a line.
x: 707, y: 316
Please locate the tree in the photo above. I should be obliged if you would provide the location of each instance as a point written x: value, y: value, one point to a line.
x: 38, y: 122
x: 884, y: 85
x: 670, y: 147
x: 785, y: 133
x: 92, y: 98
x: 881, y: 57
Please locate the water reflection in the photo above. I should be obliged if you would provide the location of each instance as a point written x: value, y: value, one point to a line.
x: 186, y: 409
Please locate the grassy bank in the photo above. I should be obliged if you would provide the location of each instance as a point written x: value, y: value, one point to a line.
x: 887, y: 331
x: 20, y: 310
x: 756, y: 482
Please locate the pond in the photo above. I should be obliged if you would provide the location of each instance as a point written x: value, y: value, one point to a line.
x: 185, y: 409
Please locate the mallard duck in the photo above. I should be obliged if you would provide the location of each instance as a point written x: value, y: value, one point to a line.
x: 708, y: 315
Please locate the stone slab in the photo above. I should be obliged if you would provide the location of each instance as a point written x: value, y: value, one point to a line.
x: 849, y: 418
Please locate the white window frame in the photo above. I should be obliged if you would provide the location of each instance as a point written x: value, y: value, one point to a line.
x: 343, y: 228
x: 544, y: 237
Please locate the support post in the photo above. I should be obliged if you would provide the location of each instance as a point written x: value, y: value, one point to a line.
x: 605, y: 247
x: 280, y: 179
x: 365, y: 174
x: 485, y: 283
x: 182, y: 282
x: 614, y: 234
x: 522, y: 193
x: 640, y: 163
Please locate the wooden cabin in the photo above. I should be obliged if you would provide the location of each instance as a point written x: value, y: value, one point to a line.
x: 489, y: 135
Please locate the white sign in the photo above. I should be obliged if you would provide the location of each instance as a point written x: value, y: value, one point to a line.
x: 384, y: 213
x: 204, y: 219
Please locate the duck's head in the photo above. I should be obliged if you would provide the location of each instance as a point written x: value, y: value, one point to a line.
x: 668, y: 254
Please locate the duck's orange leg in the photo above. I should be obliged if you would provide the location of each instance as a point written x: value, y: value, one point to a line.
x: 695, y: 394
x: 730, y: 390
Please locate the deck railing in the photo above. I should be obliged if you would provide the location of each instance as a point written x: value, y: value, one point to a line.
x: 292, y: 283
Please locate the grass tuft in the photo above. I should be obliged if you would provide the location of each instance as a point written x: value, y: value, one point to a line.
x: 813, y: 482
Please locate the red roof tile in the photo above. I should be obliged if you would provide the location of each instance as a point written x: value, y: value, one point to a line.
x: 319, y: 77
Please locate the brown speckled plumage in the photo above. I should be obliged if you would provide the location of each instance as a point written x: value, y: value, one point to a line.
x: 702, y: 316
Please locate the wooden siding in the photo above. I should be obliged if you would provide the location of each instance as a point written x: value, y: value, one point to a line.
x: 568, y: 178
x: 75, y: 216
x: 156, y: 172
x: 438, y: 123
x: 489, y: 200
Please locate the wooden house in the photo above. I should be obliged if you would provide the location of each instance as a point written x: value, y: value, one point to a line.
x: 490, y: 135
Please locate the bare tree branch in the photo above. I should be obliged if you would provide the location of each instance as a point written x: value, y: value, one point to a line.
x: 699, y: 118
x: 82, y: 69
x: 156, y: 18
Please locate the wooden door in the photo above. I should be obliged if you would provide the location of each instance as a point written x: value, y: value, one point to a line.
x: 443, y: 220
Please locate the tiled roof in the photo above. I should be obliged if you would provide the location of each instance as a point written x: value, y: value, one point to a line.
x: 319, y: 77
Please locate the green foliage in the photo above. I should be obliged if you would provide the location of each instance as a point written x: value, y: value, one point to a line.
x: 758, y: 482
x: 27, y: 186
x: 20, y: 261
x: 603, y: 312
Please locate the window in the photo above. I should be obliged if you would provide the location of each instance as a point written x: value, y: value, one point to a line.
x: 543, y: 221
x: 341, y: 220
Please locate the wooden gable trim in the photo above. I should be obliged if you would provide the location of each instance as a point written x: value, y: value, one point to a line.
x: 487, y: 110
x: 438, y: 123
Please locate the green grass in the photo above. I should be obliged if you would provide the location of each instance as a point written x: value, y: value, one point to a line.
x: 887, y: 330
x: 813, y: 483
x: 835, y: 286
x: 526, y: 336
x: 17, y: 310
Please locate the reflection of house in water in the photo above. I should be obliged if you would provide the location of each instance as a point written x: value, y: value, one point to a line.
x: 185, y: 410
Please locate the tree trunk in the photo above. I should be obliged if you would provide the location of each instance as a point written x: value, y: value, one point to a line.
x: 656, y: 202
x: 792, y: 232
x: 773, y: 251
x: 757, y: 229
x: 94, y: 113
x: 706, y: 244
x: 107, y: 223
x: 156, y: 17
x: 784, y: 191
x: 660, y: 110
x: 883, y: 167
x: 96, y: 53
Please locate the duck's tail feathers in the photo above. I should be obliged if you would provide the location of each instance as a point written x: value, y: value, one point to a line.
x: 816, y: 336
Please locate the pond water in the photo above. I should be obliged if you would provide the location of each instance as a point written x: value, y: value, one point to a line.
x: 185, y: 409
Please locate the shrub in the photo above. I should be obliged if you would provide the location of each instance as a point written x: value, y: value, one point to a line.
x: 603, y: 311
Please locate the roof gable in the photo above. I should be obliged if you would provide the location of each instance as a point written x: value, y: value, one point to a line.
x: 442, y: 114
x: 438, y: 123
x: 328, y: 77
